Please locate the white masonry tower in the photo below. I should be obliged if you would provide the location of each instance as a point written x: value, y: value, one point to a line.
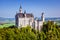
x: 42, y: 17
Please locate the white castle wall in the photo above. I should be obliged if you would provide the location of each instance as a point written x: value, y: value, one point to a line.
x: 23, y: 22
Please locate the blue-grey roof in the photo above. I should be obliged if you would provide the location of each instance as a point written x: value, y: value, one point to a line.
x: 36, y: 18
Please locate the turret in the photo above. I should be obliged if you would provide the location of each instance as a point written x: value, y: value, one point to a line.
x: 20, y: 10
x: 42, y: 17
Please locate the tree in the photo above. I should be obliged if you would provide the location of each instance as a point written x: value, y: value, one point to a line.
x: 51, y: 31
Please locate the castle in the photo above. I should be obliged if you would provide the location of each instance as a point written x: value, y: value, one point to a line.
x: 22, y: 19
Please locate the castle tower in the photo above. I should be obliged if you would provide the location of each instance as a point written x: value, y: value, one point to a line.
x: 25, y: 13
x: 20, y: 10
x: 42, y: 17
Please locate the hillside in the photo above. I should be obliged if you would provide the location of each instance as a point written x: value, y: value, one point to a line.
x: 6, y: 20
x: 53, y: 19
x: 13, y: 19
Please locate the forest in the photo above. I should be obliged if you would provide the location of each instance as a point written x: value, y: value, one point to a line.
x: 50, y: 31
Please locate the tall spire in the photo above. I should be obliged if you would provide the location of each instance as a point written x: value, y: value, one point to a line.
x: 20, y: 10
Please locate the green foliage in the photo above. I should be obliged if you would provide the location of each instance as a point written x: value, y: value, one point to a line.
x: 41, y: 36
x: 6, y: 25
x: 50, y: 31
x: 17, y: 34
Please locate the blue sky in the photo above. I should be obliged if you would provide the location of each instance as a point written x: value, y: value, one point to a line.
x: 51, y: 8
